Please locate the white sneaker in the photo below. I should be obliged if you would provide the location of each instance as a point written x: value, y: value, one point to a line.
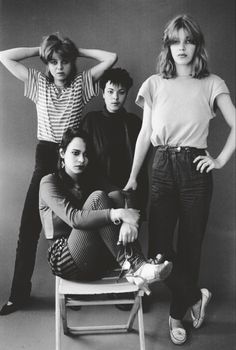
x: 149, y: 273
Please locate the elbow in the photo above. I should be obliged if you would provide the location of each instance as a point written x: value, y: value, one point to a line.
x: 3, y: 56
x: 113, y: 58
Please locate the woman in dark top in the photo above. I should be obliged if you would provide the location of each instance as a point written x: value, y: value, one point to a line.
x: 87, y: 236
x: 113, y: 132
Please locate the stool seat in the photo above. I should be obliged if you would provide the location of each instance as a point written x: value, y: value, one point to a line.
x: 103, y: 286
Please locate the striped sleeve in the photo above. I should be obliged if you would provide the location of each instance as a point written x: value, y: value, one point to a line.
x: 89, y: 88
x: 31, y: 85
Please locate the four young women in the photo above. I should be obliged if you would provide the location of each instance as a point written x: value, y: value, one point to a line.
x: 178, y: 104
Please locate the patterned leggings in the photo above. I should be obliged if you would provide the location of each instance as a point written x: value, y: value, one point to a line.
x: 96, y: 251
x: 93, y: 250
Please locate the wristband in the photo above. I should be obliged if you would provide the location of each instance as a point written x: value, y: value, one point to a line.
x: 116, y: 221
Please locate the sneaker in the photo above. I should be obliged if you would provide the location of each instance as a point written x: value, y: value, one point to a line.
x: 149, y: 273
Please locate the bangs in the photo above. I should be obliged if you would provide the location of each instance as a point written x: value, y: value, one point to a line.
x: 63, y: 53
x: 117, y: 83
x: 193, y: 35
x: 191, y: 29
x: 173, y: 35
x: 63, y: 49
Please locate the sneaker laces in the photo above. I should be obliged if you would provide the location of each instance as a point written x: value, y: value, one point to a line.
x: 131, y: 262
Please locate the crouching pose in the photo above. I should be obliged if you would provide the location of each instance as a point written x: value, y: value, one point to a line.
x: 82, y: 227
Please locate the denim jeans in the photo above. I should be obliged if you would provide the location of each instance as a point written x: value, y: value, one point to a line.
x: 45, y: 163
x: 180, y: 195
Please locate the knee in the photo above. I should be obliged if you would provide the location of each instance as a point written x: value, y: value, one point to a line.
x: 99, y: 200
x: 99, y: 195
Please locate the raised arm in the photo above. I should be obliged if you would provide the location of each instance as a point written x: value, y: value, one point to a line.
x: 141, y: 148
x: 11, y: 60
x: 106, y: 58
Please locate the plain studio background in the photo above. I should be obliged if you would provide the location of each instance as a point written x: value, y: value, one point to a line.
x: 133, y: 29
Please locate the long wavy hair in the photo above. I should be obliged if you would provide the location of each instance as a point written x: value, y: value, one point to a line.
x: 64, y: 47
x: 166, y: 64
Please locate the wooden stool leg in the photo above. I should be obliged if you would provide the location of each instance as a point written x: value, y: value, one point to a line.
x: 133, y: 312
x: 64, y: 315
x: 57, y: 316
x: 141, y: 326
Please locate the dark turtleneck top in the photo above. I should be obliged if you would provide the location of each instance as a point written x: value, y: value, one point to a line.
x: 113, y: 137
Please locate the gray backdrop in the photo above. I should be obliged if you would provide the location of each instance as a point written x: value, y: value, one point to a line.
x: 133, y: 29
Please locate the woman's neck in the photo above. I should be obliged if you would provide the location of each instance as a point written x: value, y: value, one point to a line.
x: 183, y: 71
x: 74, y: 177
x: 60, y: 84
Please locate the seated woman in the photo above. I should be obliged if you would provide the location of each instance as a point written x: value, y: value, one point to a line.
x: 86, y: 235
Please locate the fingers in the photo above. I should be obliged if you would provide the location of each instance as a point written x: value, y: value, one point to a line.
x: 128, y: 234
x: 125, y: 239
x: 204, y: 163
x: 131, y: 185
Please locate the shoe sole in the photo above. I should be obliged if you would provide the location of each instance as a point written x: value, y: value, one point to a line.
x: 203, y: 309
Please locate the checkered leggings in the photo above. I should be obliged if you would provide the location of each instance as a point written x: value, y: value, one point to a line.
x: 88, y: 254
x: 94, y: 250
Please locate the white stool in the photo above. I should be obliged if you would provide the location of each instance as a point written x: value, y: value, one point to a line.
x: 64, y: 297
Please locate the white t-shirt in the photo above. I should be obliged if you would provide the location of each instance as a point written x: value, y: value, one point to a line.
x: 57, y: 111
x: 181, y: 108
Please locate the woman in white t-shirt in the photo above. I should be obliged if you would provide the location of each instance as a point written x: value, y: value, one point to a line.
x: 178, y: 105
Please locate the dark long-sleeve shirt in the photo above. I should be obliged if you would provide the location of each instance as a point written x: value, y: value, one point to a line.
x: 113, y: 137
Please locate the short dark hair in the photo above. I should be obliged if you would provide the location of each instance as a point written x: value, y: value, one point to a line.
x: 63, y: 46
x: 116, y: 76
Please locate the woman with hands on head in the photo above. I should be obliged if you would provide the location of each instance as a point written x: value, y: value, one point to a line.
x: 59, y: 96
x: 87, y: 236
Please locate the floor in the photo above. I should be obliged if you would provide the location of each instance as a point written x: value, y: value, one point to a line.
x: 33, y: 327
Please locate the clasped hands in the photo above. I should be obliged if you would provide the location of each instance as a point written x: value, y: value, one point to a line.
x: 129, y: 226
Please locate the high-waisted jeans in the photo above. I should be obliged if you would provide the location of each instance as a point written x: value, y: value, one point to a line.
x: 30, y: 227
x: 180, y: 195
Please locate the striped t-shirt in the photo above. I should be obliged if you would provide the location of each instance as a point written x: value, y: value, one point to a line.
x: 58, y: 110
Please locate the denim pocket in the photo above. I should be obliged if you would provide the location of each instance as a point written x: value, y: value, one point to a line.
x: 159, y: 160
x: 161, y: 168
